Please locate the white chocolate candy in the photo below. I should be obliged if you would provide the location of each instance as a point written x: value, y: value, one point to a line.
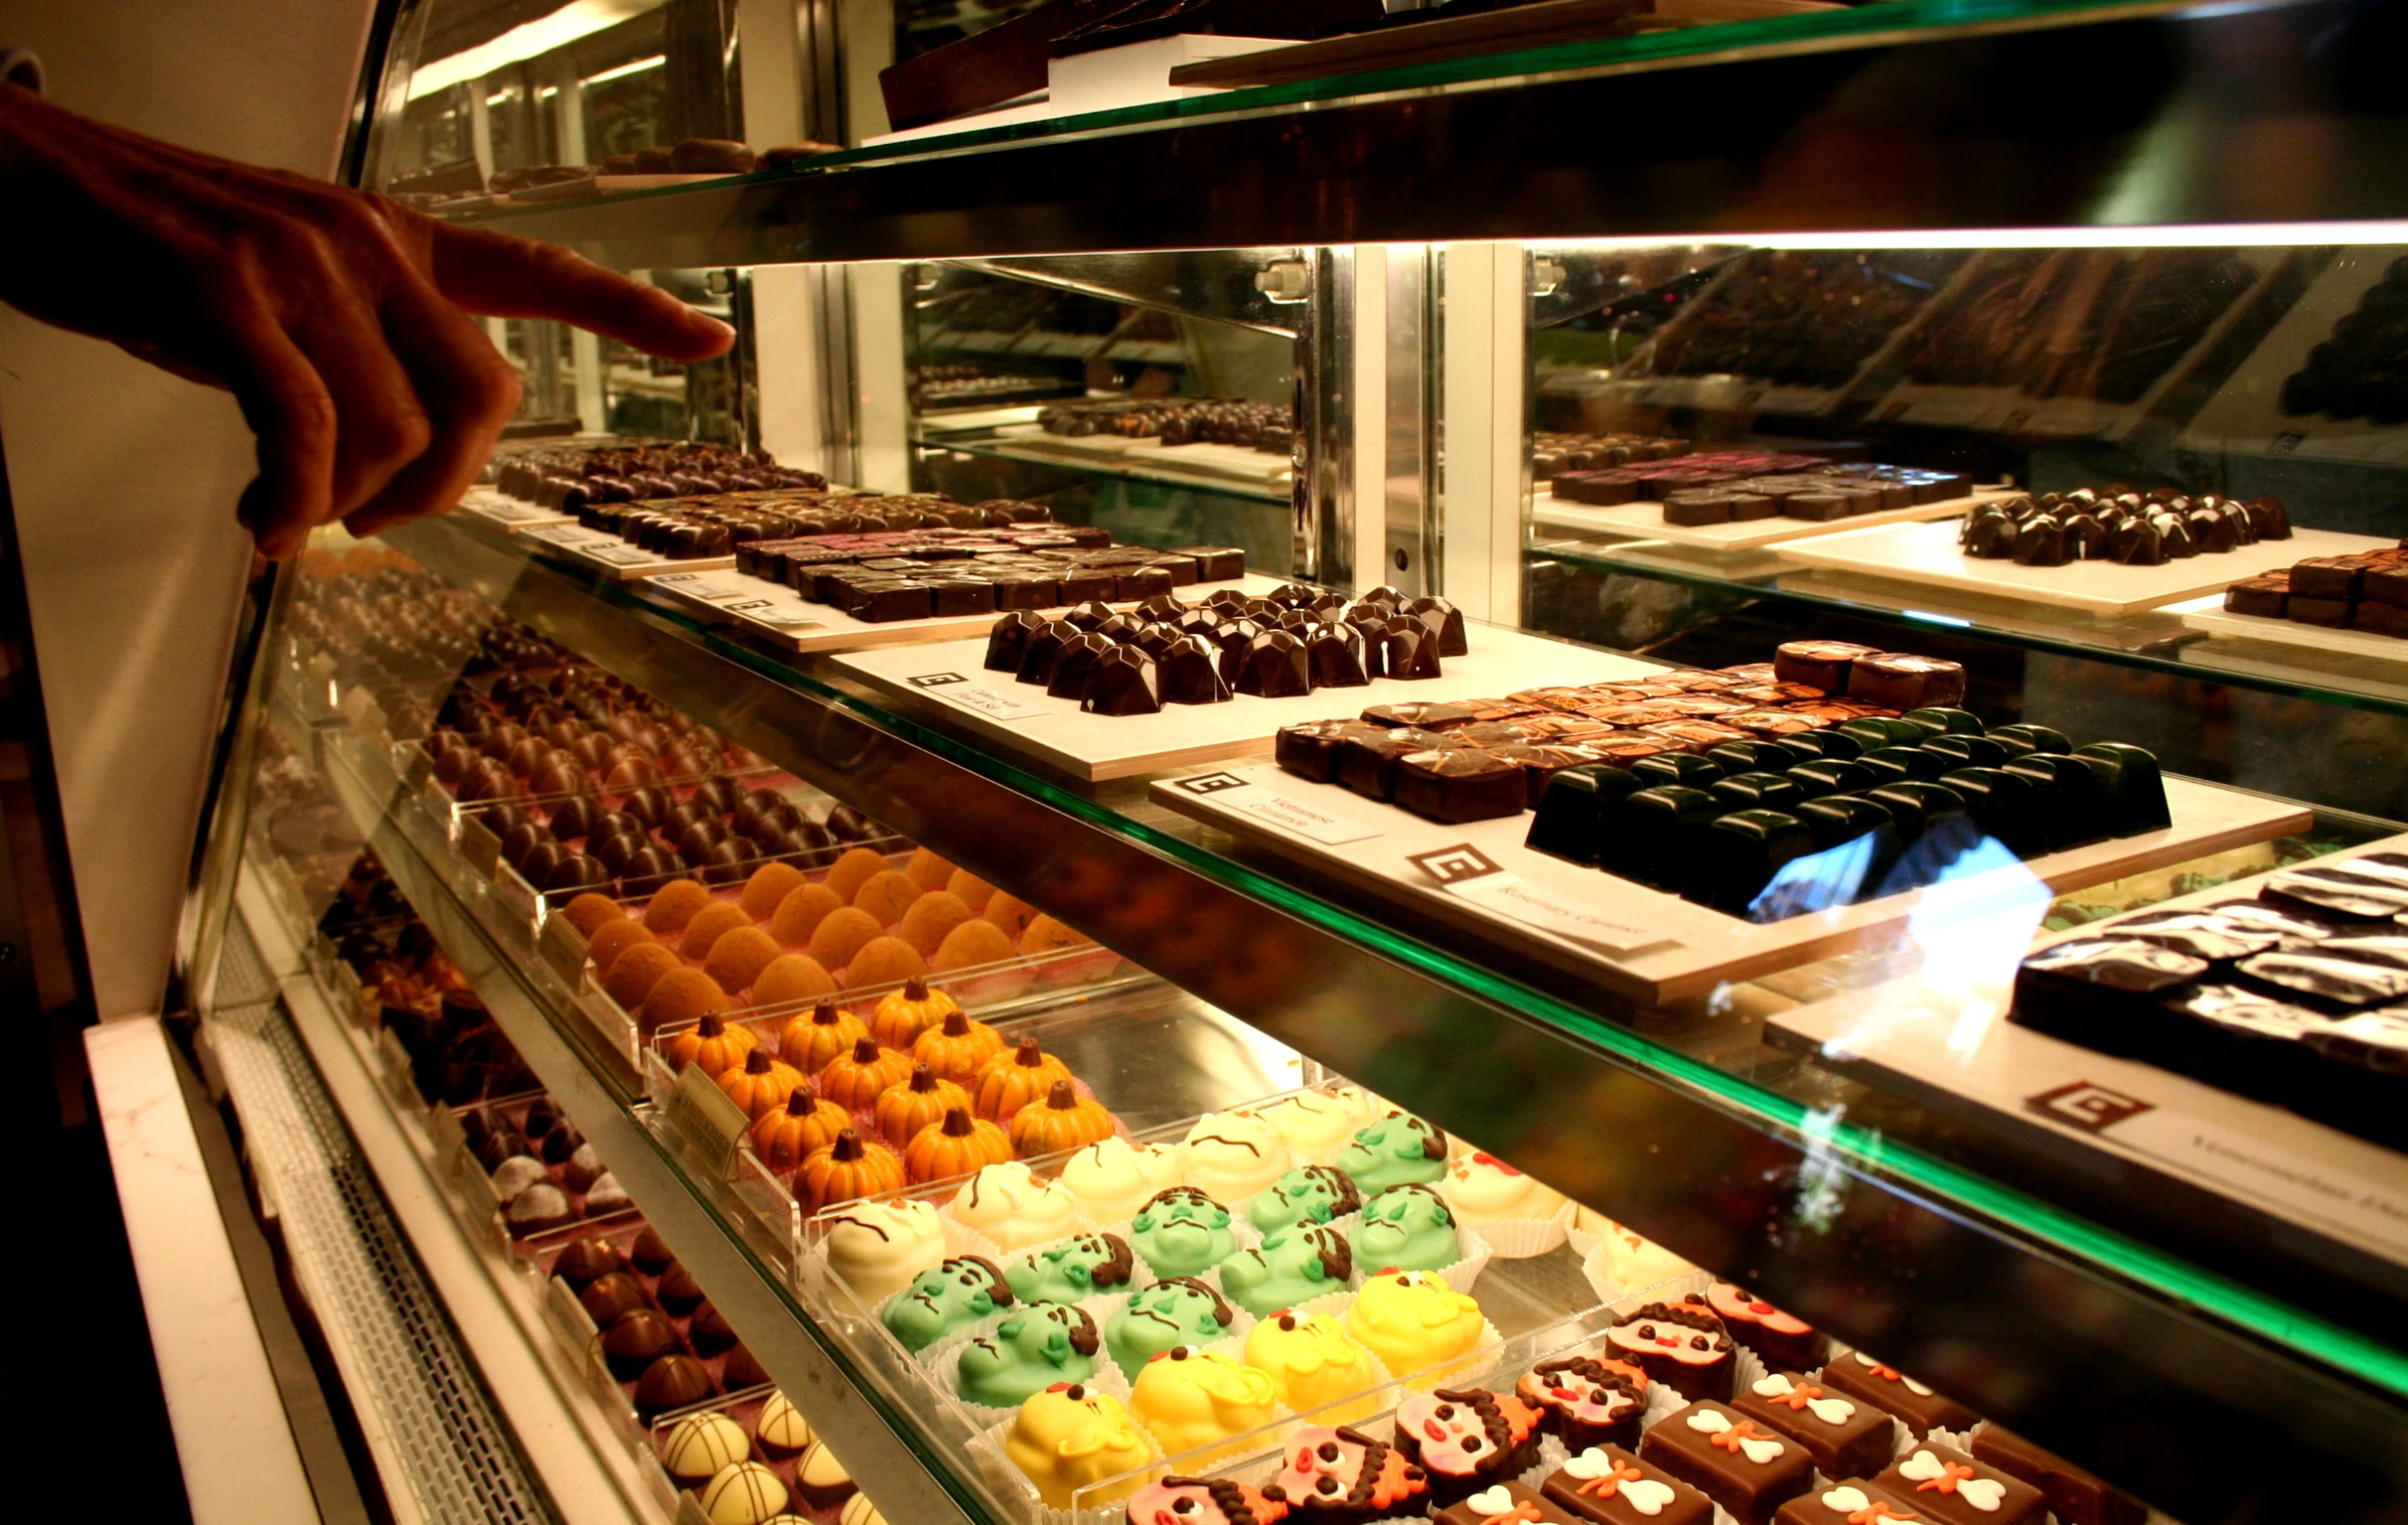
x: 782, y: 1427
x: 1014, y: 1208
x: 1113, y: 1178
x: 1312, y: 1124
x: 1485, y: 1189
x: 860, y: 1511
x: 1231, y: 1155
x: 701, y: 1445
x: 1634, y: 1263
x: 744, y: 1494
x: 877, y: 1247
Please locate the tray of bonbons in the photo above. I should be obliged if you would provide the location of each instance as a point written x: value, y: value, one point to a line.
x: 1694, y: 1402
x: 403, y: 982
x: 754, y: 1457
x: 2296, y: 996
x: 786, y: 939
x: 1553, y: 452
x: 1302, y: 1238
x: 2117, y: 523
x: 689, y: 528
x: 917, y: 574
x: 2367, y: 592
x: 652, y: 1342
x: 1292, y: 641
x: 1725, y: 487
x: 543, y: 1171
x: 568, y: 476
x: 377, y: 616
x: 895, y: 1088
x: 1264, y: 427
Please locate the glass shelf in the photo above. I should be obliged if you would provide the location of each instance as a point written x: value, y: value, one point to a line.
x: 1478, y: 149
x: 1893, y: 1222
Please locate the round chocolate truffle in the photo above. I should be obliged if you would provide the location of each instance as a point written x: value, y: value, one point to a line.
x: 632, y: 1344
x: 611, y: 1297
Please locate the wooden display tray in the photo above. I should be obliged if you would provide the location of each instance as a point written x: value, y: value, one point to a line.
x: 1928, y: 553
x: 1098, y: 747
x: 782, y: 616
x: 1956, y: 1053
x: 1646, y: 522
x: 1644, y: 943
x: 2291, y: 633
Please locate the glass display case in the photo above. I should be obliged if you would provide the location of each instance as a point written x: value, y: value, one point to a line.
x: 1691, y: 796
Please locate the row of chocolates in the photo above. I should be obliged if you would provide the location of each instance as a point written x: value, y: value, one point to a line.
x: 1726, y: 486
x: 2115, y: 524
x: 2368, y: 592
x: 1289, y: 644
x: 564, y: 477
x: 1267, y: 427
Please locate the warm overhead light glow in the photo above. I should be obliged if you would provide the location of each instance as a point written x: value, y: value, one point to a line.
x: 579, y: 18
x: 2088, y: 235
x: 623, y: 70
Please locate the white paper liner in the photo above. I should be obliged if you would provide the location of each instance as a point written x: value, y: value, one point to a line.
x: 954, y: 1224
x: 1521, y: 1238
x: 1594, y: 1265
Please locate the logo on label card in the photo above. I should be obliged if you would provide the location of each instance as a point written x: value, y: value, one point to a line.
x: 1210, y: 783
x: 2088, y: 1106
x: 937, y: 680
x: 1453, y: 865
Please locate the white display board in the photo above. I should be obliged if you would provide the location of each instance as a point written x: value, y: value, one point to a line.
x: 1646, y: 521
x: 1643, y: 941
x: 1021, y: 717
x: 1928, y: 553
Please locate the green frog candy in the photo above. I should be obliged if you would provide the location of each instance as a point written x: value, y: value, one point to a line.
x: 1399, y: 1150
x: 1043, y: 1343
x: 1292, y: 1267
x: 1310, y: 1193
x: 959, y: 1293
x: 1407, y: 1227
x: 1178, y: 1311
x: 1183, y: 1232
x: 1071, y: 1269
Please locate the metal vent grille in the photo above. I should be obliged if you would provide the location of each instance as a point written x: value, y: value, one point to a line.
x: 420, y: 1393
x: 243, y: 975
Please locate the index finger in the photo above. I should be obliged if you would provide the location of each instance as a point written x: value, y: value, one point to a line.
x: 504, y: 277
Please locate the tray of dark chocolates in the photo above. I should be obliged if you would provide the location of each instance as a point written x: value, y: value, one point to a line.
x: 2297, y: 995
x: 1743, y: 499
x: 2356, y: 604
x: 655, y: 1339
x: 1102, y: 693
x: 2097, y: 553
x: 1679, y: 839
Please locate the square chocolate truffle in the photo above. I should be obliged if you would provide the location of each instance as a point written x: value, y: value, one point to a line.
x: 1846, y: 1438
x: 1504, y: 1501
x: 1854, y: 1502
x: 1919, y: 1407
x: 1736, y: 1461
x: 1607, y: 1485
x: 2076, y: 1497
x: 1951, y: 1488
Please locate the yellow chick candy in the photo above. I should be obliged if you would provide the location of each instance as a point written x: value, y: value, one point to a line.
x: 1069, y: 1437
x: 1413, y: 1321
x: 1190, y: 1399
x: 1312, y: 1362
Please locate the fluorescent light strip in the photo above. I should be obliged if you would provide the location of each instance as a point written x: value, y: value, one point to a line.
x: 623, y: 70
x: 2117, y: 236
x: 580, y: 18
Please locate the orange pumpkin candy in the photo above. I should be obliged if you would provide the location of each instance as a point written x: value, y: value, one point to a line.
x: 1066, y: 1120
x: 957, y: 1047
x: 959, y: 1146
x: 809, y: 1041
x: 762, y: 1086
x: 1013, y: 1079
x: 855, y: 1080
x: 901, y: 1016
x: 786, y: 1136
x: 712, y: 1044
x: 901, y: 1111
x: 851, y: 1166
